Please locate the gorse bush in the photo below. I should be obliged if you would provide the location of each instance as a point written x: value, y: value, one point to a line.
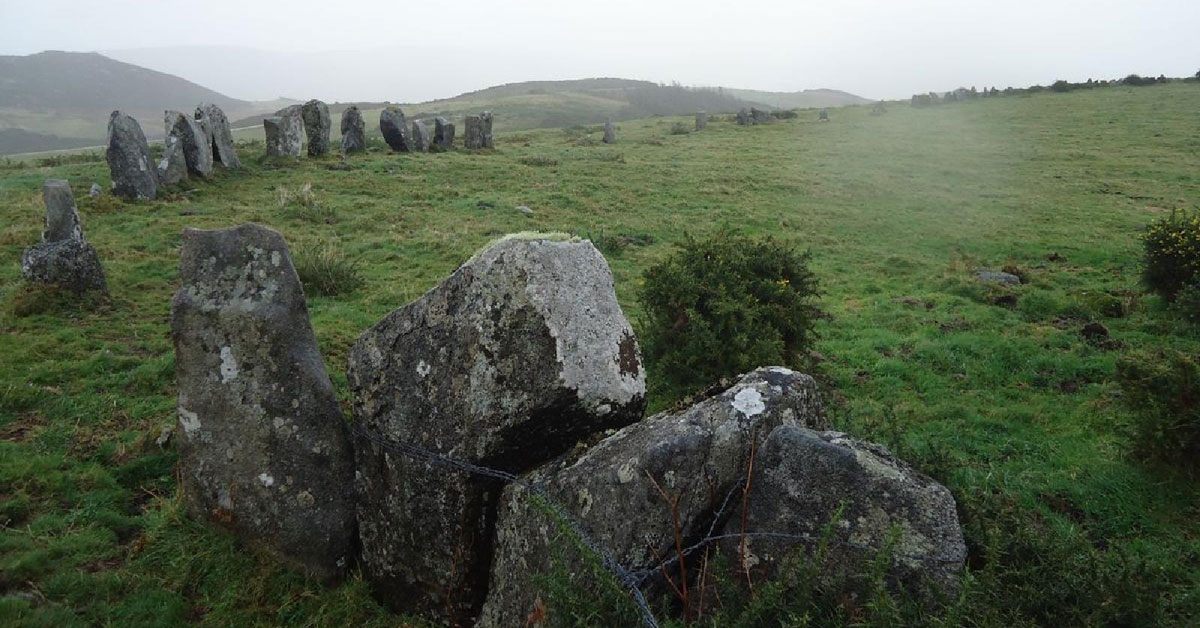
x: 723, y: 306
x: 325, y: 270
x: 1172, y: 254
x: 1163, y: 392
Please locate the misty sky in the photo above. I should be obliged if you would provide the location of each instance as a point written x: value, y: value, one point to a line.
x: 408, y: 51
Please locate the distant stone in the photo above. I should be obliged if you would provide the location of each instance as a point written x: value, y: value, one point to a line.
x: 479, y: 131
x: 443, y: 133
x: 129, y: 161
x: 934, y: 98
x: 507, y: 363
x: 395, y: 129
x: 823, y: 115
x: 197, y: 149
x: 701, y: 120
x: 71, y: 265
x: 993, y: 276
x: 878, y: 109
x: 610, y: 133
x: 172, y: 168
x: 263, y: 447
x: 216, y: 127
x: 743, y: 117
x: 524, y: 209
x: 758, y: 116
x: 354, y: 138
x: 420, y: 136
x: 284, y: 135
x: 316, y: 127
x: 921, y: 100
x: 62, y: 216
x: 95, y: 190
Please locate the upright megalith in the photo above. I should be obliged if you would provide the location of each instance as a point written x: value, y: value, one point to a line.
x: 284, y: 135
x: 129, y: 161
x: 354, y: 139
x: 479, y: 131
x: 701, y: 120
x: 760, y: 116
x: 743, y: 117
x: 700, y: 453
x: 197, y: 149
x: 316, y: 127
x: 63, y: 259
x: 610, y: 133
x: 507, y: 363
x: 420, y: 136
x: 172, y: 168
x: 921, y: 100
x: 263, y: 448
x: 443, y: 133
x: 823, y: 115
x: 394, y: 129
x: 220, y: 137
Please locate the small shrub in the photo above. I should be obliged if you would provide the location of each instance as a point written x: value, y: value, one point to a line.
x: 302, y: 203
x: 1163, y: 392
x: 539, y: 160
x: 723, y: 306
x: 326, y: 271
x: 1187, y: 303
x: 680, y: 128
x: 1171, y: 254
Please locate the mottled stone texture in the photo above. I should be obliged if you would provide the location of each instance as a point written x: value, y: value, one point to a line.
x: 316, y: 126
x: 284, y: 135
x: 479, y: 131
x: 263, y: 447
x: 507, y: 363
x: 197, y: 150
x: 701, y: 120
x: 700, y: 453
x: 354, y: 139
x: 129, y: 161
x: 420, y: 136
x: 172, y: 168
x: 443, y: 133
x: 743, y: 117
x: 394, y: 129
x: 71, y: 265
x: 62, y: 216
x: 610, y: 133
x: 220, y: 138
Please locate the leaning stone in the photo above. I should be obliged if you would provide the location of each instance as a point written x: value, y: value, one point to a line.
x: 479, y: 131
x: 263, y: 447
x: 395, y: 129
x: 758, y: 116
x: 129, y: 161
x: 197, y: 149
x: 443, y: 133
x: 172, y: 168
x: 992, y: 276
x: 743, y: 117
x: 610, y: 133
x: 70, y: 264
x: 216, y: 127
x: 701, y: 454
x: 316, y: 127
x: 62, y: 216
x: 701, y: 120
x: 354, y: 138
x: 284, y: 135
x: 420, y: 136
x: 507, y: 363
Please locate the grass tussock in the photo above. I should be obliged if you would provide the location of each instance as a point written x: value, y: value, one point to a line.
x: 325, y: 270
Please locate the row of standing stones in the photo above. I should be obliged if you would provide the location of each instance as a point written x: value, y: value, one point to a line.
x: 508, y: 364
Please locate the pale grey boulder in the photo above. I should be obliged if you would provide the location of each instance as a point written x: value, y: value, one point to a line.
x: 479, y: 131
x: 62, y: 215
x: 701, y: 453
x: 172, y: 168
x: 443, y: 133
x: 994, y: 276
x: 701, y: 120
x: 395, y: 129
x: 220, y: 137
x: 129, y: 161
x: 507, y: 363
x: 71, y: 265
x: 420, y: 136
x: 197, y: 149
x: 610, y: 133
x: 316, y: 127
x: 353, y: 128
x: 284, y: 135
x: 263, y: 447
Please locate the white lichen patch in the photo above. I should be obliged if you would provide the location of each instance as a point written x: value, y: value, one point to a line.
x: 229, y: 368
x: 266, y: 480
x: 749, y: 402
x: 189, y: 421
x: 585, y: 502
x: 423, y: 368
x: 276, y: 258
x: 627, y: 471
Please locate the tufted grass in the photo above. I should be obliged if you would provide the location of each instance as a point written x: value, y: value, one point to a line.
x: 991, y: 390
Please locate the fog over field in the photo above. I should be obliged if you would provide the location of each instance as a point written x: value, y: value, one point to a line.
x: 375, y: 50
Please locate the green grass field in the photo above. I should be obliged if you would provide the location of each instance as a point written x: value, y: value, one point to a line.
x: 1006, y: 404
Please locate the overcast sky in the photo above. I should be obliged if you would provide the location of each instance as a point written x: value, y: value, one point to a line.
x: 409, y: 51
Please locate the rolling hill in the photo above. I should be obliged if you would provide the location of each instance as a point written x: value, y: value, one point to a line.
x: 801, y: 99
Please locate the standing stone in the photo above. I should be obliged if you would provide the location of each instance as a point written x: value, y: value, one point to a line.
x: 354, y: 138
x: 285, y: 135
x: 610, y: 133
x: 216, y: 126
x: 479, y: 131
x: 62, y: 216
x: 395, y: 129
x: 879, y: 109
x: 700, y: 453
x: 316, y: 126
x: 758, y: 116
x: 443, y: 133
x: 420, y: 136
x: 701, y: 120
x: 172, y: 168
x: 823, y: 115
x: 507, y: 363
x: 197, y: 150
x: 922, y: 100
x: 743, y: 117
x: 63, y: 259
x: 129, y: 160
x: 263, y: 447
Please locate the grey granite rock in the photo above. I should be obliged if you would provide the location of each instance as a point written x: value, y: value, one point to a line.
x: 129, y: 161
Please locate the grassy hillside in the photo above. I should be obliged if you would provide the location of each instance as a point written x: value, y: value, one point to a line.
x: 1006, y: 404
x: 808, y: 98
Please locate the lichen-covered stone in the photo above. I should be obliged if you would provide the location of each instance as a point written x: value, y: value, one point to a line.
x: 129, y: 161
x: 394, y: 129
x: 420, y: 136
x: 70, y: 264
x: 284, y: 135
x: 479, y: 131
x: 316, y: 127
x: 263, y: 447
x: 701, y: 120
x: 700, y: 453
x: 172, y: 168
x: 443, y: 133
x: 507, y: 363
x: 197, y: 149
x: 610, y: 133
x: 220, y: 137
x: 354, y: 139
x: 62, y: 216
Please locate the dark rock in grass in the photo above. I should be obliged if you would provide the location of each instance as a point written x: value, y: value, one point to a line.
x: 992, y: 276
x: 62, y: 216
x: 1094, y: 332
x: 479, y: 131
x: 823, y: 115
x: 220, y: 137
x: 129, y: 160
x: 610, y: 133
x: 172, y: 168
x: 354, y: 139
x: 284, y: 135
x: 420, y: 136
x: 758, y: 116
x: 701, y: 120
x: 394, y: 129
x: 507, y: 363
x: 197, y: 150
x: 743, y: 117
x: 443, y: 133
x: 316, y: 127
x: 700, y: 454
x: 70, y: 264
x: 263, y: 447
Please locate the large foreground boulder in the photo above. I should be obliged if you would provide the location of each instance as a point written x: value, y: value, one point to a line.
x: 354, y: 139
x: 197, y: 151
x: 700, y: 454
x: 316, y: 126
x: 443, y: 133
x: 394, y: 129
x: 506, y: 364
x: 71, y: 265
x: 129, y: 161
x: 479, y: 131
x: 220, y: 137
x: 284, y: 135
x: 263, y: 447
